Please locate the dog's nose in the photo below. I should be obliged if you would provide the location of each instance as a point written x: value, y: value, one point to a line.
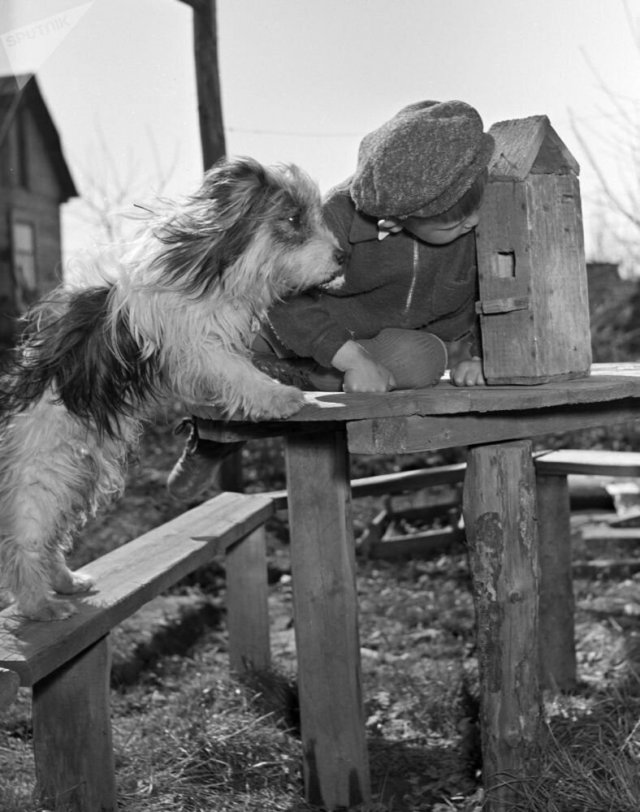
x: 339, y: 255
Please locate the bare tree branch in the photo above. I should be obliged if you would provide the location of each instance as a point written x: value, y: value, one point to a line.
x: 633, y: 28
x: 109, y: 193
x: 612, y: 196
x: 622, y: 148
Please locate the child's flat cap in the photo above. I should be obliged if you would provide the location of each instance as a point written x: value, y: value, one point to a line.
x: 422, y: 161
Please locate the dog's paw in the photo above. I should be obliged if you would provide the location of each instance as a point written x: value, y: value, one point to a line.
x: 46, y: 609
x: 281, y: 401
x: 74, y: 582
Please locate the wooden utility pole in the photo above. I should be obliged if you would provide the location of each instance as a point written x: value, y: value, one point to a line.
x: 205, y: 46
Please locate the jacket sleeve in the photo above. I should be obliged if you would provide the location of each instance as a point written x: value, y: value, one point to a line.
x: 302, y: 323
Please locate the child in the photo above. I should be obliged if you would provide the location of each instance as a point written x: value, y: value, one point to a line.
x: 405, y: 221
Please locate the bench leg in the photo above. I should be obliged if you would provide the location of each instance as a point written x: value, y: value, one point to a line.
x: 247, y: 604
x: 335, y: 762
x: 9, y: 684
x: 72, y: 734
x: 557, y: 637
x: 500, y: 520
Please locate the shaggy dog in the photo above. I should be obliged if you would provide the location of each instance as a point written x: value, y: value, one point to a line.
x: 175, y: 322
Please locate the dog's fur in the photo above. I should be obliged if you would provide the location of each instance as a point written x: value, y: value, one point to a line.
x: 176, y: 321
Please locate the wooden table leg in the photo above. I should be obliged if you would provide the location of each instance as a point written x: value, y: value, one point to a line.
x: 336, y: 766
x: 557, y: 605
x: 72, y: 734
x: 500, y: 521
x: 248, y: 604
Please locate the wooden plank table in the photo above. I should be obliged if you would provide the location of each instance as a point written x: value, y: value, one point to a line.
x: 500, y: 511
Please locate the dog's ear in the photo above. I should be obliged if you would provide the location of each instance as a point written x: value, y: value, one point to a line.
x: 208, y: 234
x: 234, y: 188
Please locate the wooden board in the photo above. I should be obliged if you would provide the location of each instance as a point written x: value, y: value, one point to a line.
x: 500, y: 514
x: 589, y: 462
x: 525, y: 145
x: 557, y: 628
x: 248, y: 604
x: 534, y: 309
x: 9, y: 684
x: 128, y: 577
x: 606, y: 383
x: 335, y: 762
x: 72, y: 734
x: 415, y: 434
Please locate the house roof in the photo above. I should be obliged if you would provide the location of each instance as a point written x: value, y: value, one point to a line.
x: 16, y: 92
x: 529, y: 145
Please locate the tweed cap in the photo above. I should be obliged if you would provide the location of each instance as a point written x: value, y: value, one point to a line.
x: 420, y: 162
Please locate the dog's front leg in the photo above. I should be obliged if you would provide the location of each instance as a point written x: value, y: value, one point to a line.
x: 27, y: 571
x: 241, y: 389
x: 63, y: 580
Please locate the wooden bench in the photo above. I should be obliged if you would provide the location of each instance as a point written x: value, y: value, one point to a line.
x: 67, y: 664
x: 553, y: 469
x: 557, y: 630
x: 9, y: 684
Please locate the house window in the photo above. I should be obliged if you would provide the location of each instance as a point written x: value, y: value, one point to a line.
x: 24, y: 262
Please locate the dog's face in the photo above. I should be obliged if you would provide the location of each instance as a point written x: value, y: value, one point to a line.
x: 249, y: 228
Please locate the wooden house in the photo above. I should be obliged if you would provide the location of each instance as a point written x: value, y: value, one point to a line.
x: 534, y: 305
x: 34, y: 182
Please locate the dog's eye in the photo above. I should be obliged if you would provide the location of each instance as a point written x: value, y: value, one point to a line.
x: 295, y: 220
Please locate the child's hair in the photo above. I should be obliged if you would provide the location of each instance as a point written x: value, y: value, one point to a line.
x: 467, y: 204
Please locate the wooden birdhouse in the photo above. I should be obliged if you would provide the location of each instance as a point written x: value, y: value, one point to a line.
x: 534, y: 305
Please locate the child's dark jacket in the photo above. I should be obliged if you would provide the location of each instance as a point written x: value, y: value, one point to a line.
x: 395, y: 282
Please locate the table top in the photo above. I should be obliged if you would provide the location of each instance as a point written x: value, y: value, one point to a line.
x: 606, y: 383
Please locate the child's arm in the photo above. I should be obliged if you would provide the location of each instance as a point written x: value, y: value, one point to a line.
x: 361, y: 372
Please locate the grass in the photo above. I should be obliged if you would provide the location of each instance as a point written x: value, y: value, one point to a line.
x: 188, y: 737
x: 591, y: 760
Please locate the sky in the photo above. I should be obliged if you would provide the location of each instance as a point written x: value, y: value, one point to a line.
x: 303, y: 81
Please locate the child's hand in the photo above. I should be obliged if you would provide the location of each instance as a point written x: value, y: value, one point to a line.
x: 361, y: 372
x: 468, y: 373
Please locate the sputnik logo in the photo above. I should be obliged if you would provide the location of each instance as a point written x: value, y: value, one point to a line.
x: 29, y: 45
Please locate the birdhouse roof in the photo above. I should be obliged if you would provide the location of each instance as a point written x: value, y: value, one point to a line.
x: 526, y: 146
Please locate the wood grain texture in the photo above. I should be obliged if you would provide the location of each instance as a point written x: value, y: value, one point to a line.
x: 326, y: 622
x: 588, y: 461
x: 247, y: 604
x: 560, y: 288
x: 538, y: 223
x: 9, y: 684
x: 517, y: 144
x: 416, y: 434
x: 128, y: 577
x: 500, y: 521
x: 526, y: 145
x: 72, y: 734
x: 557, y: 643
x: 605, y: 383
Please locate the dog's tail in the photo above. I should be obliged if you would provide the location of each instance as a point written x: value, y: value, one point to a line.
x: 86, y: 355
